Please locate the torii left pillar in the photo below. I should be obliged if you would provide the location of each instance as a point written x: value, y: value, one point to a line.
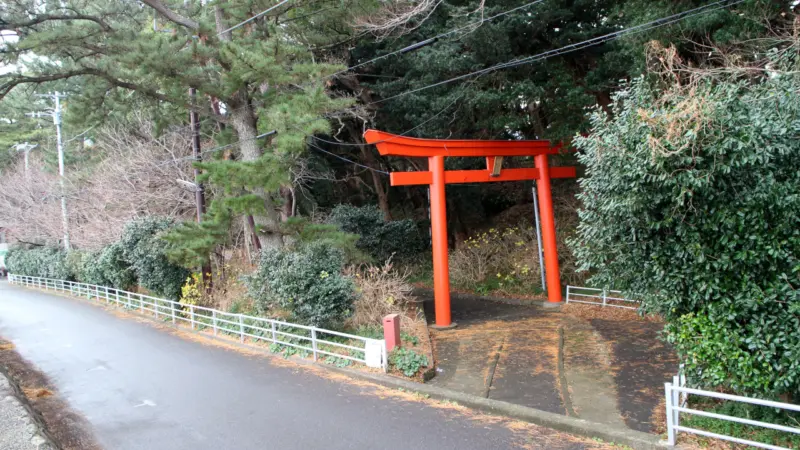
x: 437, y: 178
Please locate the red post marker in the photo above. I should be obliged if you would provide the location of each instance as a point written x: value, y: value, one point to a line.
x: 391, y: 331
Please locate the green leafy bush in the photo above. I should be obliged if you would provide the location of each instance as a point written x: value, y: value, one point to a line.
x: 75, y: 261
x: 90, y: 270
x: 46, y: 262
x: 407, y: 361
x: 106, y: 267
x: 379, y: 238
x: 307, y: 283
x: 142, y: 247
x: 691, y: 198
x: 115, y: 269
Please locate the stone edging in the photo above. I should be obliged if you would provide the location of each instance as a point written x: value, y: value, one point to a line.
x: 46, y: 440
x: 509, y: 301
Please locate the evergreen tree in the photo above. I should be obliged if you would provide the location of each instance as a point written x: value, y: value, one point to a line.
x: 546, y: 99
x: 252, y: 78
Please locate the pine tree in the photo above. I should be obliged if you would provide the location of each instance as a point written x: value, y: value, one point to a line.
x: 254, y: 78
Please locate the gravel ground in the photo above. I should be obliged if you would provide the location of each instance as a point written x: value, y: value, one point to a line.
x: 18, y: 431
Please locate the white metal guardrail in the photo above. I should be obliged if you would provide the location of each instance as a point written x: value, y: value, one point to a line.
x: 676, y: 406
x: 318, y: 342
x: 600, y: 297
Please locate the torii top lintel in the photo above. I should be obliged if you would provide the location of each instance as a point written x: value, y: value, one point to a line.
x: 393, y: 145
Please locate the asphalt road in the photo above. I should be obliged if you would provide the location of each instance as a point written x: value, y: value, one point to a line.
x: 143, y: 387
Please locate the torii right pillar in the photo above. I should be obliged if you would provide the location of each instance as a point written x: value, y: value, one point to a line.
x: 547, y: 215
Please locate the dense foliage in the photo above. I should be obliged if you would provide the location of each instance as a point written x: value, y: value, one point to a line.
x: 381, y: 239
x: 143, y: 248
x: 691, y: 199
x: 45, y: 262
x: 307, y: 283
x: 115, y: 269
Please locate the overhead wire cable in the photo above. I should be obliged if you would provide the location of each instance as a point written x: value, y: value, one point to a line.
x: 427, y: 41
x: 577, y: 46
x: 718, y: 5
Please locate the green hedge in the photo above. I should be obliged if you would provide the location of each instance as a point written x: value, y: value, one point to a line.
x: 692, y: 199
x: 307, y: 283
x: 143, y: 248
x: 46, y: 262
x: 138, y: 258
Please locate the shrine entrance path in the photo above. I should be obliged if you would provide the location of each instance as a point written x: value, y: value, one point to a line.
x: 610, y: 372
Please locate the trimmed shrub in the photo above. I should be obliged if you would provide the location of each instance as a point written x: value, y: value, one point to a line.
x: 145, y: 251
x: 46, y: 262
x: 307, y: 283
x: 379, y: 238
x: 106, y: 267
x: 91, y: 271
x: 691, y: 200
x: 115, y: 268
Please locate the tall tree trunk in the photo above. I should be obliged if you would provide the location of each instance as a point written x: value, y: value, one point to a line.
x: 369, y: 160
x: 244, y: 121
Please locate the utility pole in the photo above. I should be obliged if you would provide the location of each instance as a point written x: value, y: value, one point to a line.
x: 56, y: 114
x: 199, y: 192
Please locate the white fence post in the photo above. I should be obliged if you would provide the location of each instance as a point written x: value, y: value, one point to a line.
x: 568, y: 293
x: 130, y: 305
x: 385, y: 356
x: 191, y: 315
x: 676, y: 402
x: 141, y: 303
x: 670, y: 414
x: 214, y: 320
x: 314, y: 342
x: 605, y: 297
x: 241, y: 328
x: 108, y: 300
x: 173, y: 312
x: 274, y: 335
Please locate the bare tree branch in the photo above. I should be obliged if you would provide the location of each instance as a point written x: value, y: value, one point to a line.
x: 398, y: 17
x: 171, y: 15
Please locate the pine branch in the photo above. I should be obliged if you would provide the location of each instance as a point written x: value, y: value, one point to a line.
x: 171, y: 15
x: 39, y: 19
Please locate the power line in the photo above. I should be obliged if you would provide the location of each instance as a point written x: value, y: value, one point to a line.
x: 314, y: 146
x: 419, y: 125
x: 427, y: 41
x: 527, y: 60
x: 577, y: 46
x: 252, y: 18
x: 79, y: 135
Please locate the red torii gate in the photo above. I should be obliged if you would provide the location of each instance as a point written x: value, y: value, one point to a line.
x: 436, y: 150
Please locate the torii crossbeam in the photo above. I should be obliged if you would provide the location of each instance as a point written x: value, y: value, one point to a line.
x: 436, y: 150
